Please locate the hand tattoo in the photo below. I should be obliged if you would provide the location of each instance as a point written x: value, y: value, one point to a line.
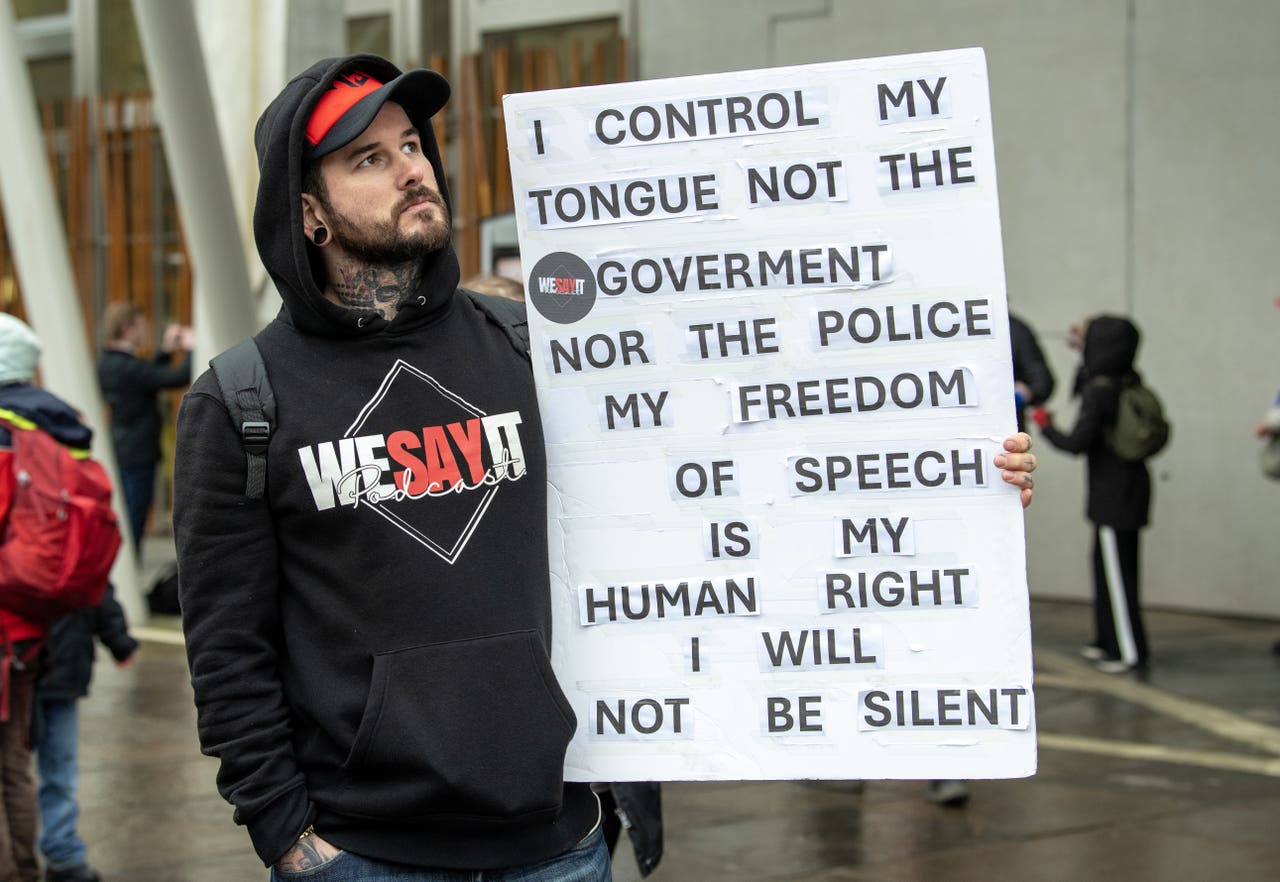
x: 306, y: 854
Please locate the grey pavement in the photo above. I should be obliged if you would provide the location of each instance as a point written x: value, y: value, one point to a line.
x: 1172, y: 774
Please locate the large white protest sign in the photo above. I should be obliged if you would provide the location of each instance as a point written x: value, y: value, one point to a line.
x: 771, y: 343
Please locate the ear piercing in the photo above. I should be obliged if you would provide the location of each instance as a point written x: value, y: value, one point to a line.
x: 320, y: 236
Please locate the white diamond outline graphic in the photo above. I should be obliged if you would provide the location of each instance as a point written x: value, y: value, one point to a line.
x: 451, y: 554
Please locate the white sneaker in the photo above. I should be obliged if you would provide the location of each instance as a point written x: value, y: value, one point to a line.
x: 1113, y: 666
x: 1092, y: 652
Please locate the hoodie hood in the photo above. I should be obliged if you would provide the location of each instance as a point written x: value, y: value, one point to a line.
x: 1110, y: 346
x: 48, y: 412
x: 292, y: 261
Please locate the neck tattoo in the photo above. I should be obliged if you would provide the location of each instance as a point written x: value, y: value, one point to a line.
x: 380, y: 289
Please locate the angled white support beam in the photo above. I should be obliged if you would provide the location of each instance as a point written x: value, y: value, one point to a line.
x: 39, y: 242
x: 314, y: 29
x: 223, y: 301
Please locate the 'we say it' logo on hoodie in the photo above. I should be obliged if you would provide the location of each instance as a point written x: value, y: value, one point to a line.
x: 434, y: 482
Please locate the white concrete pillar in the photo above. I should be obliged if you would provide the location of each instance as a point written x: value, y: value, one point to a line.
x: 39, y: 243
x: 223, y: 307
x: 314, y: 29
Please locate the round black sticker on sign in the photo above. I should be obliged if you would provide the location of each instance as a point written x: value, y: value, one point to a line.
x: 562, y: 288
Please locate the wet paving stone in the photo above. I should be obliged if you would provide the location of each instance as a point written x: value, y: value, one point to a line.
x: 151, y: 813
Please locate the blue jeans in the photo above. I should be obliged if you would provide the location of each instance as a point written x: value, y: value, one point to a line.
x: 57, y: 762
x: 139, y: 486
x: 588, y: 861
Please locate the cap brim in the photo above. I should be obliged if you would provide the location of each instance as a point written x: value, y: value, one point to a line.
x: 420, y: 92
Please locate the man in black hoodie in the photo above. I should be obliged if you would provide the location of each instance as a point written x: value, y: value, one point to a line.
x: 369, y: 641
x: 1119, y: 492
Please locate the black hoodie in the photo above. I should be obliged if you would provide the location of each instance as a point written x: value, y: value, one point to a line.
x: 376, y: 662
x: 1119, y: 492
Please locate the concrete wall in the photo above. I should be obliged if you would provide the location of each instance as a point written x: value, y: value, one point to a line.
x: 254, y: 54
x: 251, y: 49
x: 472, y: 18
x: 1205, y: 238
x: 1134, y: 140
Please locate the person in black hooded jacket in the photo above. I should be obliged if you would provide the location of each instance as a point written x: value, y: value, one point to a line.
x: 131, y: 387
x: 369, y: 642
x: 1119, y: 492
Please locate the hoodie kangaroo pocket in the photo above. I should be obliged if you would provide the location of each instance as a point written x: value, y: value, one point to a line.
x: 469, y: 728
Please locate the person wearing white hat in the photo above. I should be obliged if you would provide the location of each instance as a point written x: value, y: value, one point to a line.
x: 23, y: 405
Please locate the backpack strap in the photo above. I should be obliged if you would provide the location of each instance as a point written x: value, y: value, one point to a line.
x: 246, y: 391
x: 510, y: 315
x: 246, y: 388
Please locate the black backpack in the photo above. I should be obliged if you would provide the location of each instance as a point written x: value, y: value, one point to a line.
x: 246, y: 389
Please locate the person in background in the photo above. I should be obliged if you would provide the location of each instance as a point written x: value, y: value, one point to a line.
x: 131, y: 387
x: 22, y: 403
x: 1119, y: 492
x: 1268, y: 429
x: 498, y: 286
x: 1032, y: 385
x: 68, y: 668
x: 1032, y: 378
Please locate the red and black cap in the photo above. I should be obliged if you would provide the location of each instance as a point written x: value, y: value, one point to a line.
x: 355, y: 97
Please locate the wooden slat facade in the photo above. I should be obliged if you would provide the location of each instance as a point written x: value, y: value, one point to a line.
x: 105, y: 164
x: 122, y: 229
x: 481, y: 185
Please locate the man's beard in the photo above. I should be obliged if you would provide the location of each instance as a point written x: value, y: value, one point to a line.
x: 384, y: 243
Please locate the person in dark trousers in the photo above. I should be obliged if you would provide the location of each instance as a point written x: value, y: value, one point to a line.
x: 1032, y: 385
x: 1032, y: 377
x: 1118, y: 492
x: 131, y: 387
x: 369, y: 637
x: 636, y: 807
x: 68, y: 668
x: 23, y: 405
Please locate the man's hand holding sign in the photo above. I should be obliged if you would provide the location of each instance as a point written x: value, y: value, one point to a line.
x: 770, y: 336
x: 1018, y: 464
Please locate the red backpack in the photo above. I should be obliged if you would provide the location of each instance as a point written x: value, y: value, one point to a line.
x: 60, y: 535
